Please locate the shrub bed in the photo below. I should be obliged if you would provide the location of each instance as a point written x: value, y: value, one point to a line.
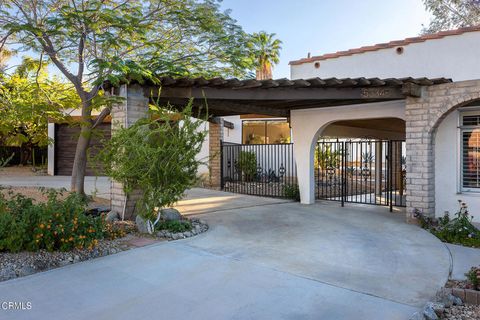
x: 51, y: 225
x: 456, y: 230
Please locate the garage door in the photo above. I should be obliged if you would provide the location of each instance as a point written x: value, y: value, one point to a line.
x: 66, y: 137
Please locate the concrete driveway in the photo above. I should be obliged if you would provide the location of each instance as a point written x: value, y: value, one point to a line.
x: 268, y: 261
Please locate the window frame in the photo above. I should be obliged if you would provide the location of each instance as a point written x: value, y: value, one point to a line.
x: 462, y: 129
x: 265, y: 121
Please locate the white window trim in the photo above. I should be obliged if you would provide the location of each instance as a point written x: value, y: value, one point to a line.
x: 460, y: 161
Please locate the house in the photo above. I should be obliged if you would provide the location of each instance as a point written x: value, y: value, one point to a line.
x: 401, y: 119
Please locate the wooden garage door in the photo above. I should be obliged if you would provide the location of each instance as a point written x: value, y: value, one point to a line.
x: 66, y: 137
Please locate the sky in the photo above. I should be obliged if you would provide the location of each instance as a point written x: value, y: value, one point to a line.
x: 324, y: 26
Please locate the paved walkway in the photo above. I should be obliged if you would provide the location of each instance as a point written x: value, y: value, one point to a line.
x: 259, y: 260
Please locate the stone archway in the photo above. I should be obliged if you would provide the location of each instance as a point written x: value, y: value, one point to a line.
x: 423, y: 116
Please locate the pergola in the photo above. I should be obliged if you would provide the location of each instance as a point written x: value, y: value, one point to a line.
x: 225, y: 97
x: 307, y: 103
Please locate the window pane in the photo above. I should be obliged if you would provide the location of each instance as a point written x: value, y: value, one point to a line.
x: 471, y: 120
x: 253, y: 132
x: 471, y: 159
x: 278, y: 132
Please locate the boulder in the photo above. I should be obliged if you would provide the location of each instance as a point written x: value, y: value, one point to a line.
x: 141, y: 224
x: 429, y: 312
x: 112, y: 216
x: 171, y: 214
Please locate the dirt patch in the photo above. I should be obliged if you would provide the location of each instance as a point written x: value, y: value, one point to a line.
x: 23, y: 171
x: 38, y: 195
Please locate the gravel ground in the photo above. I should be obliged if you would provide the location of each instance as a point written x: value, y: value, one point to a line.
x: 38, y: 195
x: 23, y: 171
x: 14, y: 265
x: 465, y: 312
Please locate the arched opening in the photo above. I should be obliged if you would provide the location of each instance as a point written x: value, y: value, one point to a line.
x: 361, y: 161
x: 456, y: 155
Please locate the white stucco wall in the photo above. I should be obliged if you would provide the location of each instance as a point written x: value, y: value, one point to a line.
x: 455, y: 57
x: 447, y: 170
x: 309, y: 123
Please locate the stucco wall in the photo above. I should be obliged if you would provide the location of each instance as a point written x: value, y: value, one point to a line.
x: 433, y: 58
x: 447, y: 170
x: 308, y: 124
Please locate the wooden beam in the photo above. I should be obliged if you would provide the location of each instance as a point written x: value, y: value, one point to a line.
x: 225, y: 107
x: 379, y: 93
x: 412, y: 90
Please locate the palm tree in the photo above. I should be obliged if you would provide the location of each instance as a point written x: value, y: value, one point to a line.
x: 266, y: 53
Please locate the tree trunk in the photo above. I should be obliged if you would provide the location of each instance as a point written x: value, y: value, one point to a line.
x: 80, y: 160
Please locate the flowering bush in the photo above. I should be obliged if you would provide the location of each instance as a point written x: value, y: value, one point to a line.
x: 458, y: 230
x: 53, y: 225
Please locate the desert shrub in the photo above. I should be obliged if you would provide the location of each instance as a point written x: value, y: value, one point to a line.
x: 473, y: 277
x: 457, y: 230
x: 53, y: 225
x: 174, y: 225
x: 291, y: 191
x: 157, y: 156
x: 247, y: 165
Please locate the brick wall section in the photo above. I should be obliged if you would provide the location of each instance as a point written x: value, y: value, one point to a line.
x: 423, y: 115
x: 134, y: 107
x: 215, y: 132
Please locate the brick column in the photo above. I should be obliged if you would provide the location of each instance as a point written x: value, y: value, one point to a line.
x: 132, y: 108
x: 420, y: 178
x: 423, y: 116
x: 215, y: 133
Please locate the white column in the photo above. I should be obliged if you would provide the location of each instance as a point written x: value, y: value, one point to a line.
x: 51, y: 150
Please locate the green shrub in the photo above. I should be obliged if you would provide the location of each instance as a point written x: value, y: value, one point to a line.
x: 174, y: 225
x: 53, y: 225
x: 457, y: 230
x: 157, y: 156
x: 473, y: 277
x: 291, y: 191
x: 247, y: 165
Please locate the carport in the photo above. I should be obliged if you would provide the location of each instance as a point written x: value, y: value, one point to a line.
x: 314, y: 108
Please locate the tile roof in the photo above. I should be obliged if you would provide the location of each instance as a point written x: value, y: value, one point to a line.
x: 233, y: 83
x: 386, y: 45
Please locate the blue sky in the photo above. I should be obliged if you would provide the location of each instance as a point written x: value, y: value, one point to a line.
x: 323, y: 26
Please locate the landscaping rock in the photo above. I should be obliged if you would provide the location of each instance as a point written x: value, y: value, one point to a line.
x: 7, y: 273
x: 429, y: 312
x: 141, y: 224
x: 171, y: 214
x: 112, y: 216
x: 25, y: 271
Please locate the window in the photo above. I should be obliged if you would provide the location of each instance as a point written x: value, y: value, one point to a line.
x: 265, y: 131
x: 470, y: 140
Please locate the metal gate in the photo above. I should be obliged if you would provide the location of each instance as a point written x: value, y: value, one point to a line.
x: 361, y: 171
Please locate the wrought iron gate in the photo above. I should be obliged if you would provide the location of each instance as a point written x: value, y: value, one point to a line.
x: 361, y: 171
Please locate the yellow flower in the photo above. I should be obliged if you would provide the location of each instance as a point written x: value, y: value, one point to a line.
x: 42, y: 226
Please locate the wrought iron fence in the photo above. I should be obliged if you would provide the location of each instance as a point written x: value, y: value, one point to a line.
x: 363, y: 171
x: 258, y: 169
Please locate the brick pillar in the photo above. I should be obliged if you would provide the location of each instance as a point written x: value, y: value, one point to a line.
x: 215, y: 133
x: 419, y: 159
x: 132, y: 108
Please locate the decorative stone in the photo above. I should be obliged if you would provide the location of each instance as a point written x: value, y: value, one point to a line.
x: 7, y: 273
x: 112, y: 216
x: 429, y: 312
x: 187, y: 234
x: 141, y: 224
x: 171, y: 214
x: 25, y: 271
